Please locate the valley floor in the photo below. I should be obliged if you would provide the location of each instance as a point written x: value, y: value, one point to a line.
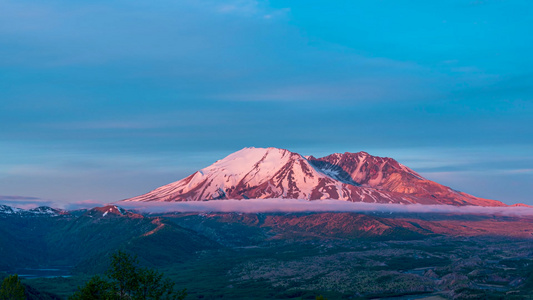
x: 432, y: 268
x: 288, y: 256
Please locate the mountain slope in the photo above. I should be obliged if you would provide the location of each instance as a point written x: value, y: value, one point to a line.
x: 252, y: 173
x: 261, y: 173
x: 245, y: 229
x: 67, y: 240
x: 6, y: 210
x: 386, y: 174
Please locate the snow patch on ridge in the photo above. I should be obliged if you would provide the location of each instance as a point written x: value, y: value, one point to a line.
x: 41, y: 210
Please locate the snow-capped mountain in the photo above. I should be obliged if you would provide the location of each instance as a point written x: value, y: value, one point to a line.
x: 109, y: 211
x: 261, y: 173
x: 6, y: 210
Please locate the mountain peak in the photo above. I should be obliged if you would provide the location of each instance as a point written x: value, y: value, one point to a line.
x: 6, y: 210
x: 363, y: 168
x: 260, y: 173
x: 109, y: 211
x: 47, y: 210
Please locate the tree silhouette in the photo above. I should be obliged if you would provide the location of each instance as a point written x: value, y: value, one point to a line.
x: 12, y: 288
x: 126, y: 280
x: 96, y: 288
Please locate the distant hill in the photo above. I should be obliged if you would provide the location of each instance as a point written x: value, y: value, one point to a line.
x: 65, y: 240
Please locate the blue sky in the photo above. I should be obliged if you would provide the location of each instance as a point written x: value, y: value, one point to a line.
x: 104, y: 100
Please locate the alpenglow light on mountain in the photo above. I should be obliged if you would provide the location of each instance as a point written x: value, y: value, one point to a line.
x: 260, y: 173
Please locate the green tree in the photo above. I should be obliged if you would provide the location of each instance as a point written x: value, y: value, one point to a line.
x: 126, y: 280
x: 97, y: 288
x: 152, y: 285
x: 12, y: 288
x: 124, y: 274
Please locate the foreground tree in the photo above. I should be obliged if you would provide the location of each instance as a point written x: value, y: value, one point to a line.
x: 126, y: 280
x: 12, y: 288
x: 124, y: 275
x: 96, y: 288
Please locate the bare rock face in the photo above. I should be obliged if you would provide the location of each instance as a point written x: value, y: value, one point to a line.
x: 260, y: 173
x: 386, y: 174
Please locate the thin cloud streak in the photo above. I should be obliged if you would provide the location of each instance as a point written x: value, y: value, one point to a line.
x: 24, y: 202
x: 84, y: 204
x: 293, y: 205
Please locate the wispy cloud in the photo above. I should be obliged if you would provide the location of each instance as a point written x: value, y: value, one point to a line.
x: 243, y: 7
x: 83, y: 204
x: 32, y: 202
x: 25, y: 201
x: 519, y: 171
x: 291, y: 205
